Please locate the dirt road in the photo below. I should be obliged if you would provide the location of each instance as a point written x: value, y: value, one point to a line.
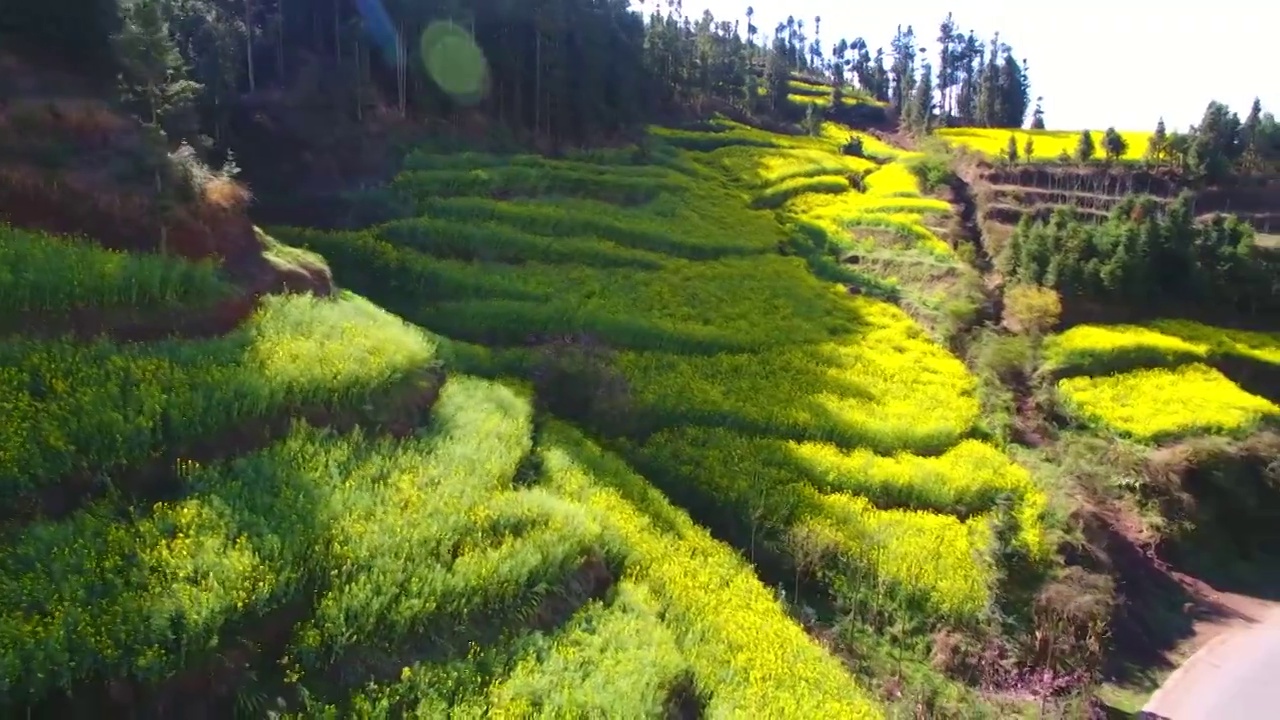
x: 1235, y: 676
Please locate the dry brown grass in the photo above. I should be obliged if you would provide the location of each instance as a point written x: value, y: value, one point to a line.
x: 80, y: 122
x: 117, y: 219
x: 225, y: 194
x: 88, y: 121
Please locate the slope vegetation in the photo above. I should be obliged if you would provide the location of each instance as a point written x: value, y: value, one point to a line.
x: 194, y: 511
x: 1158, y: 431
x: 312, y: 503
x: 783, y: 399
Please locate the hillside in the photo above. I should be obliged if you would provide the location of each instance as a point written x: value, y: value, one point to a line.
x: 741, y: 397
x: 187, y: 484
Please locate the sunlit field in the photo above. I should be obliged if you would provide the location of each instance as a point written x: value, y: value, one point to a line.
x: 756, y: 347
x: 498, y: 549
x: 1160, y: 403
x: 1046, y: 144
x: 1155, y: 382
x: 1097, y: 349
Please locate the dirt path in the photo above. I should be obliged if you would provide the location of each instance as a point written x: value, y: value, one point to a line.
x: 1233, y: 671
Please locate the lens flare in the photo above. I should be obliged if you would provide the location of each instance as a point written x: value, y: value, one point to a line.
x: 455, y: 62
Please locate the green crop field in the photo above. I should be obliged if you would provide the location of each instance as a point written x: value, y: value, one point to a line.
x: 616, y: 360
x: 51, y: 274
x: 385, y: 502
x: 736, y: 359
x: 494, y: 561
x: 444, y: 529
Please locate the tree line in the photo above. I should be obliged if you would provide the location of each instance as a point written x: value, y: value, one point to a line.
x: 568, y: 68
x: 1145, y: 253
x: 559, y: 68
x: 1221, y: 145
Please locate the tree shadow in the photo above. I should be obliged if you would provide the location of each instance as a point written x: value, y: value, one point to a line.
x: 852, y: 394
x: 1257, y: 377
x: 115, y: 417
x: 267, y: 504
x: 1227, y: 496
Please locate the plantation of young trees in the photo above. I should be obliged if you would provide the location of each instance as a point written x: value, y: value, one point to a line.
x: 1145, y: 254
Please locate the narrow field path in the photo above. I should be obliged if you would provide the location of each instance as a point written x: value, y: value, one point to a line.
x: 1233, y: 676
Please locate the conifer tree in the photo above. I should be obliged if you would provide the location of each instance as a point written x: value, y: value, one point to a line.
x: 1114, y: 146
x: 1085, y: 147
x: 1158, y: 145
x: 1037, y: 116
x: 920, y: 112
x: 152, y: 76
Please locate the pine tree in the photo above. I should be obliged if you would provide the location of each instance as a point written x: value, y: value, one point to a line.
x: 1114, y: 145
x: 777, y: 75
x: 1250, y: 132
x: 920, y: 111
x: 947, y: 59
x: 1037, y: 116
x: 1012, y: 92
x: 1085, y: 147
x: 902, y: 71
x: 838, y: 53
x: 1011, y: 149
x: 880, y: 77
x: 1029, y: 148
x: 152, y: 76
x: 1158, y: 145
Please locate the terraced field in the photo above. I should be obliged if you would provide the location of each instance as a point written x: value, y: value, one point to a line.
x: 740, y: 365
x: 869, y: 208
x: 188, y: 512
x: 1170, y: 380
x: 805, y: 92
x: 353, y: 514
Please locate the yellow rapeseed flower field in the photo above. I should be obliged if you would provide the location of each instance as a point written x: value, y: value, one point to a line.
x: 784, y: 410
x: 1251, y: 345
x: 755, y: 345
x: 927, y: 556
x: 887, y: 387
x: 1091, y: 349
x: 1154, y: 382
x: 1098, y: 349
x: 1159, y: 403
x: 745, y: 652
x: 91, y: 407
x: 1047, y: 144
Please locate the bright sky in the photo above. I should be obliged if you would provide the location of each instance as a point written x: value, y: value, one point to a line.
x: 1097, y: 63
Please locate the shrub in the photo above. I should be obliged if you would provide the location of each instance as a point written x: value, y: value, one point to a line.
x: 574, y: 378
x: 1031, y: 309
x: 933, y: 170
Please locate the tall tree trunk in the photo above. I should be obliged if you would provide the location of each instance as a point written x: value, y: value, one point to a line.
x: 337, y: 37
x: 280, y: 40
x: 248, y: 45
x: 537, y: 79
x: 359, y: 81
x: 402, y: 70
